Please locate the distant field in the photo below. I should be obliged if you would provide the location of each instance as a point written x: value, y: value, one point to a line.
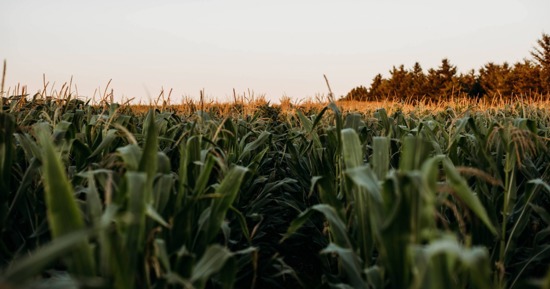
x: 397, y: 194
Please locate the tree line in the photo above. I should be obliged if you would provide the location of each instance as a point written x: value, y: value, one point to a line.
x: 528, y: 77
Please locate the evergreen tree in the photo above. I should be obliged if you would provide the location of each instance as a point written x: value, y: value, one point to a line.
x: 359, y: 93
x: 469, y: 84
x: 526, y: 78
x: 542, y: 53
x: 418, y: 88
x: 399, y: 82
x: 378, y: 88
x: 442, y: 82
x: 493, y: 79
x: 542, y: 57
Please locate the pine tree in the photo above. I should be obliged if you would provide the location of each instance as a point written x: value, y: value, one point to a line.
x: 494, y: 79
x: 418, y: 88
x: 442, y: 81
x: 378, y: 88
x: 526, y: 78
x: 399, y: 82
x: 469, y: 84
x: 359, y: 93
x: 542, y: 57
x: 542, y: 53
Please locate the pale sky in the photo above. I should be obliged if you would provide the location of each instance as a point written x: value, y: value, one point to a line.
x: 273, y: 48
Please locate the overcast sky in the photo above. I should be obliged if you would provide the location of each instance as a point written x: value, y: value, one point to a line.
x: 274, y: 48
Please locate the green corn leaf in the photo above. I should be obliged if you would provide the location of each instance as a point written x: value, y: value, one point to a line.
x: 383, y: 121
x: 306, y: 122
x: 381, y: 156
x: 29, y: 146
x: 375, y: 276
x: 125, y: 261
x: 163, y: 163
x: 80, y: 151
x: 28, y: 267
x: 541, y: 183
x: 205, y: 174
x: 189, y: 153
x: 414, y: 153
x: 242, y: 222
x: 319, y: 117
x: 353, y: 121
x: 93, y: 202
x: 460, y: 128
x: 64, y: 215
x: 228, y: 190
x: 462, y: 190
x: 337, y: 226
x: 353, y: 158
x: 153, y: 214
x: 226, y: 275
x: 365, y: 177
x: 137, y: 204
x: 351, y: 149
x: 174, y: 278
x: 60, y: 129
x: 161, y: 252
x: 107, y: 140
x: 149, y: 160
x: 211, y: 262
x: 327, y: 193
x: 163, y: 192
x: 116, y: 257
x: 440, y: 261
x: 131, y: 155
x: 350, y: 264
x: 525, y: 214
x: 250, y: 147
x: 337, y: 115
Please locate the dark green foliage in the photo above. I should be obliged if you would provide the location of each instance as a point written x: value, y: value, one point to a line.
x: 110, y: 198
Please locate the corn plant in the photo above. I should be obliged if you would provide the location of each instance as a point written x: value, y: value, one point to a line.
x: 115, y: 196
x: 415, y: 193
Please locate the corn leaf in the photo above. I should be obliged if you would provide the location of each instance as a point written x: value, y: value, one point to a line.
x: 64, y: 215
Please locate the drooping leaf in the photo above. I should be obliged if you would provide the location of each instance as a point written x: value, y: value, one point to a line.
x: 211, y: 262
x: 350, y: 264
x: 337, y: 227
x: 462, y: 190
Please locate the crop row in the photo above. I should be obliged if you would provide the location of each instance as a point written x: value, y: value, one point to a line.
x: 107, y: 197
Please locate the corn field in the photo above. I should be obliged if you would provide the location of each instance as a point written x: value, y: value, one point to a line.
x: 109, y: 197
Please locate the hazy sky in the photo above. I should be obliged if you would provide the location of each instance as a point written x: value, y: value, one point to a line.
x: 274, y: 48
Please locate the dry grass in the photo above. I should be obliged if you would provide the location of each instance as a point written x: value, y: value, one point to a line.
x: 287, y: 106
x: 248, y: 102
